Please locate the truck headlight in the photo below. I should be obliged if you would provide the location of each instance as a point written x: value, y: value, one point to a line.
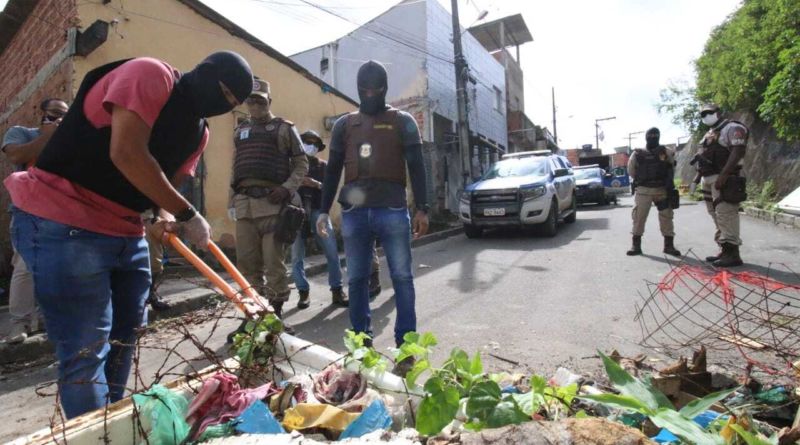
x: 530, y: 193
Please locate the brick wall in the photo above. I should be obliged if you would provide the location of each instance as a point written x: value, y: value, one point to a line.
x: 40, y: 37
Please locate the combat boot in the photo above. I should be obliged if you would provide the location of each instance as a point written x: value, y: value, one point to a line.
x: 305, y: 300
x: 277, y: 306
x: 713, y: 258
x: 636, y: 248
x: 338, y: 297
x: 374, y: 285
x: 730, y: 256
x: 669, y: 246
x: 153, y: 299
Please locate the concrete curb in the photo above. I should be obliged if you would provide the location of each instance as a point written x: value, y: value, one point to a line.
x: 36, y: 346
x: 776, y: 217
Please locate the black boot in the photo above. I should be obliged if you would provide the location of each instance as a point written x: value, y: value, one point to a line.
x: 713, y: 258
x: 278, y: 307
x: 305, y: 300
x: 338, y: 297
x: 153, y: 299
x: 669, y: 246
x: 636, y: 248
x: 730, y: 256
x: 374, y: 285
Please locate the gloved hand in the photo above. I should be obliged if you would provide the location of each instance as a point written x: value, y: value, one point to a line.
x: 279, y: 195
x: 232, y: 213
x: 323, y: 222
x: 197, y: 231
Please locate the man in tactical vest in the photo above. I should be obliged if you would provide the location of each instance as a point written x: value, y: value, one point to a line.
x: 652, y: 170
x: 268, y: 168
x: 719, y: 165
x: 134, y: 126
x: 374, y: 145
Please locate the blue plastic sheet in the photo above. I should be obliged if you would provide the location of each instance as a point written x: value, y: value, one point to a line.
x: 704, y: 419
x: 375, y: 417
x: 257, y: 419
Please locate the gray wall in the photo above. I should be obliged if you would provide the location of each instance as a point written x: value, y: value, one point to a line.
x: 388, y: 39
x: 441, y: 77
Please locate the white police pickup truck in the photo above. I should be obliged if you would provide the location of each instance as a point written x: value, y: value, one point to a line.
x: 527, y: 189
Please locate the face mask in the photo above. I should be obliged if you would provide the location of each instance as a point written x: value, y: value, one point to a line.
x: 310, y: 149
x: 372, y: 76
x: 201, y: 86
x: 653, y: 136
x: 710, y: 119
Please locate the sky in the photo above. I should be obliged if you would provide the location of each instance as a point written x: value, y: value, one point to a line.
x: 605, y: 58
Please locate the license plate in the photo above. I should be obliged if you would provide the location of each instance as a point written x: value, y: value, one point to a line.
x: 494, y: 212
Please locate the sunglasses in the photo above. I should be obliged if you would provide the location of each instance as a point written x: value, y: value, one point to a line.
x: 256, y: 100
x: 706, y: 113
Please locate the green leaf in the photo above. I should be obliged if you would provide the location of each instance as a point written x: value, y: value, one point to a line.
x: 684, y: 428
x: 438, y: 408
x: 538, y: 384
x: 483, y: 398
x: 581, y: 415
x: 427, y: 340
x: 474, y: 426
x: 476, y: 366
x: 507, y: 412
x: 696, y: 407
x: 566, y: 393
x: 620, y: 401
x: 752, y: 439
x: 630, y: 386
x: 418, y: 368
x: 411, y: 337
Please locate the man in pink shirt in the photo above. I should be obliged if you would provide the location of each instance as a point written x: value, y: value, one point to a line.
x: 135, y: 127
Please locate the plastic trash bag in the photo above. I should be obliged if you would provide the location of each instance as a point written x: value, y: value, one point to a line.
x: 162, y: 412
x: 306, y: 415
x: 257, y: 419
x: 375, y: 417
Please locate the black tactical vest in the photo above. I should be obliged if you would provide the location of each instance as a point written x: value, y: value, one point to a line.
x: 651, y: 169
x: 715, y: 154
x: 80, y: 152
x: 258, y: 155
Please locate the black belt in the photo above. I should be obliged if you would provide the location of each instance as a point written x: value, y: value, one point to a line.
x: 253, y: 191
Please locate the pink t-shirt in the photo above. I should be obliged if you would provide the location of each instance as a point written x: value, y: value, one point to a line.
x: 140, y: 85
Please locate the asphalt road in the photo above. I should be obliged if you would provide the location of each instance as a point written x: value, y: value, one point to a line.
x: 537, y: 302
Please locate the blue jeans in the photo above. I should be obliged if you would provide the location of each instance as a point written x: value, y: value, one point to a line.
x: 328, y: 246
x: 360, y: 228
x: 91, y: 289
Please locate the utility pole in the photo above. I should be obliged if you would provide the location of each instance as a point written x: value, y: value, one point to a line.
x: 555, y: 130
x: 461, y: 98
x: 597, y: 130
x: 630, y: 140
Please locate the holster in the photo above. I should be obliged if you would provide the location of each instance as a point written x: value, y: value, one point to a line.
x: 290, y: 220
x: 674, y: 198
x: 735, y: 190
x: 664, y: 204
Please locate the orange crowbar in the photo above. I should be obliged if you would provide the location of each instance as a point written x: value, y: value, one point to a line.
x: 247, y: 300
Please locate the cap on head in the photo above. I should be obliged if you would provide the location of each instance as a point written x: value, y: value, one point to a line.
x: 260, y: 88
x: 312, y: 136
x: 709, y: 108
x: 654, y: 131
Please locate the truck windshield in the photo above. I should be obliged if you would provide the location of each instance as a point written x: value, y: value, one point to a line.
x: 517, y: 167
x: 587, y: 173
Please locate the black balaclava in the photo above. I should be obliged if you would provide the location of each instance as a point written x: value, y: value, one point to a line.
x: 372, y: 75
x: 652, y: 137
x: 201, y: 85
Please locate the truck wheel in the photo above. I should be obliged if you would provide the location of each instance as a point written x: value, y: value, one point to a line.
x: 569, y: 219
x: 472, y: 231
x: 550, y: 226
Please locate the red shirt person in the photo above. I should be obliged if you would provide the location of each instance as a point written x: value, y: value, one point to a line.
x: 135, y: 128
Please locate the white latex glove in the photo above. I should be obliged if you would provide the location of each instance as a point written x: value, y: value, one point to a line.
x: 197, y: 231
x: 323, y: 221
x: 692, y: 187
x: 232, y: 213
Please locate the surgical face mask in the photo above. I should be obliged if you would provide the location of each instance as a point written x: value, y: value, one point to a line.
x: 310, y: 149
x: 710, y: 119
